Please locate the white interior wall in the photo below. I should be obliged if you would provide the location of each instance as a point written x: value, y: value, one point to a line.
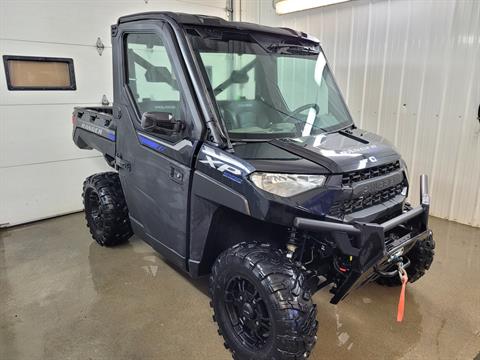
x: 409, y: 70
x: 41, y: 170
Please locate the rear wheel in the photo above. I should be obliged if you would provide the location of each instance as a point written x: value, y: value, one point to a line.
x: 421, y: 258
x: 262, y: 304
x: 105, y: 209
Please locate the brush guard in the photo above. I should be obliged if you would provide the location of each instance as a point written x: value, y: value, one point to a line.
x: 365, y: 243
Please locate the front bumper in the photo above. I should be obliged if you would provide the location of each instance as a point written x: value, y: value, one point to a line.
x: 367, y: 243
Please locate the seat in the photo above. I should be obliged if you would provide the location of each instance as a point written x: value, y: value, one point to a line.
x: 245, y: 114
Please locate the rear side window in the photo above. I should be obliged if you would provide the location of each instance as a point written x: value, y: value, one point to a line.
x: 151, y: 79
x: 39, y: 73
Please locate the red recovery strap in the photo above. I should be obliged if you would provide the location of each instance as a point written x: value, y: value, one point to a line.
x: 401, y: 301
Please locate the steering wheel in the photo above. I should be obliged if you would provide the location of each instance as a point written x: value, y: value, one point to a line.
x: 301, y: 109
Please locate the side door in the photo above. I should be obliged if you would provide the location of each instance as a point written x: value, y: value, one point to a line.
x: 157, y: 165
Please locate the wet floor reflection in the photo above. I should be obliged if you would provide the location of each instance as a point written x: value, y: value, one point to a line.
x: 62, y: 296
x: 364, y: 325
x: 7, y: 319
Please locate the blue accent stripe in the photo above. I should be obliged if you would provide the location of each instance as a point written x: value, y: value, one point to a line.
x: 151, y: 144
x: 111, y: 136
x: 232, y: 177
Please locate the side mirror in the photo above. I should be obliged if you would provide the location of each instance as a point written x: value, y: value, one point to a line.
x: 162, y: 122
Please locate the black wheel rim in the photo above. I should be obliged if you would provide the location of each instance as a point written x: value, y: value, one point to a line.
x: 93, y: 211
x: 248, y: 313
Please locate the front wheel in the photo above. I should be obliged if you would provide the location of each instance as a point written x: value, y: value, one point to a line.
x: 262, y: 304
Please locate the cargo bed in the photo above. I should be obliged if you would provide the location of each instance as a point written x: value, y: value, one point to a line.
x: 95, y: 128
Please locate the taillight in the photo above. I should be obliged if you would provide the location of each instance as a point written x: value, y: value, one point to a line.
x: 74, y: 119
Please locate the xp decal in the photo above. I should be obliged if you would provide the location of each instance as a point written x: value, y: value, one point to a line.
x: 220, y: 165
x: 224, y: 163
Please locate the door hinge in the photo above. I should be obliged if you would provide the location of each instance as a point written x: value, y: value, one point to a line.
x: 122, y: 164
x: 117, y: 112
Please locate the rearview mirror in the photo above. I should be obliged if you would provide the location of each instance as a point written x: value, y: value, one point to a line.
x: 160, y: 74
x: 239, y: 77
x: 163, y: 122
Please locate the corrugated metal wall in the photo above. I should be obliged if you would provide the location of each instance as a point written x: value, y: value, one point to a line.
x: 409, y: 70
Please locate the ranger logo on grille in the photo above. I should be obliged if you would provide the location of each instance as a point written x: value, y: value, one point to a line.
x: 375, y: 185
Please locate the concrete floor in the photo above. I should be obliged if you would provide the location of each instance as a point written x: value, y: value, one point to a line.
x: 64, y: 297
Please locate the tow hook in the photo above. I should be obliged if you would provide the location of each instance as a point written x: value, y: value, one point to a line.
x: 399, y: 261
x: 401, y: 270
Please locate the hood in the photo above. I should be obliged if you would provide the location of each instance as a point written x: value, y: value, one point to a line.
x: 264, y: 156
x: 342, y: 151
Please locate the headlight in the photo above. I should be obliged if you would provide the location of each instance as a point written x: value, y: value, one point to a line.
x: 286, y: 184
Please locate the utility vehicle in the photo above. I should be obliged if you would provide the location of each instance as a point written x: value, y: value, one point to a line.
x: 236, y: 156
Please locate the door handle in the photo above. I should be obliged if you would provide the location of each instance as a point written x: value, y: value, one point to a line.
x: 176, y: 174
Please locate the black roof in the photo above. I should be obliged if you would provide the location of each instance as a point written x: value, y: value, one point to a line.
x: 213, y: 21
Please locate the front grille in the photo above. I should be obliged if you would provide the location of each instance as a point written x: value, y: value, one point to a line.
x: 341, y: 208
x: 355, y: 176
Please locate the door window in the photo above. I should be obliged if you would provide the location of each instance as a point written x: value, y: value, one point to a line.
x: 151, y: 78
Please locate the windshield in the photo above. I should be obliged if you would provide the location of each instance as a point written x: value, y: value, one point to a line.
x: 267, y: 88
